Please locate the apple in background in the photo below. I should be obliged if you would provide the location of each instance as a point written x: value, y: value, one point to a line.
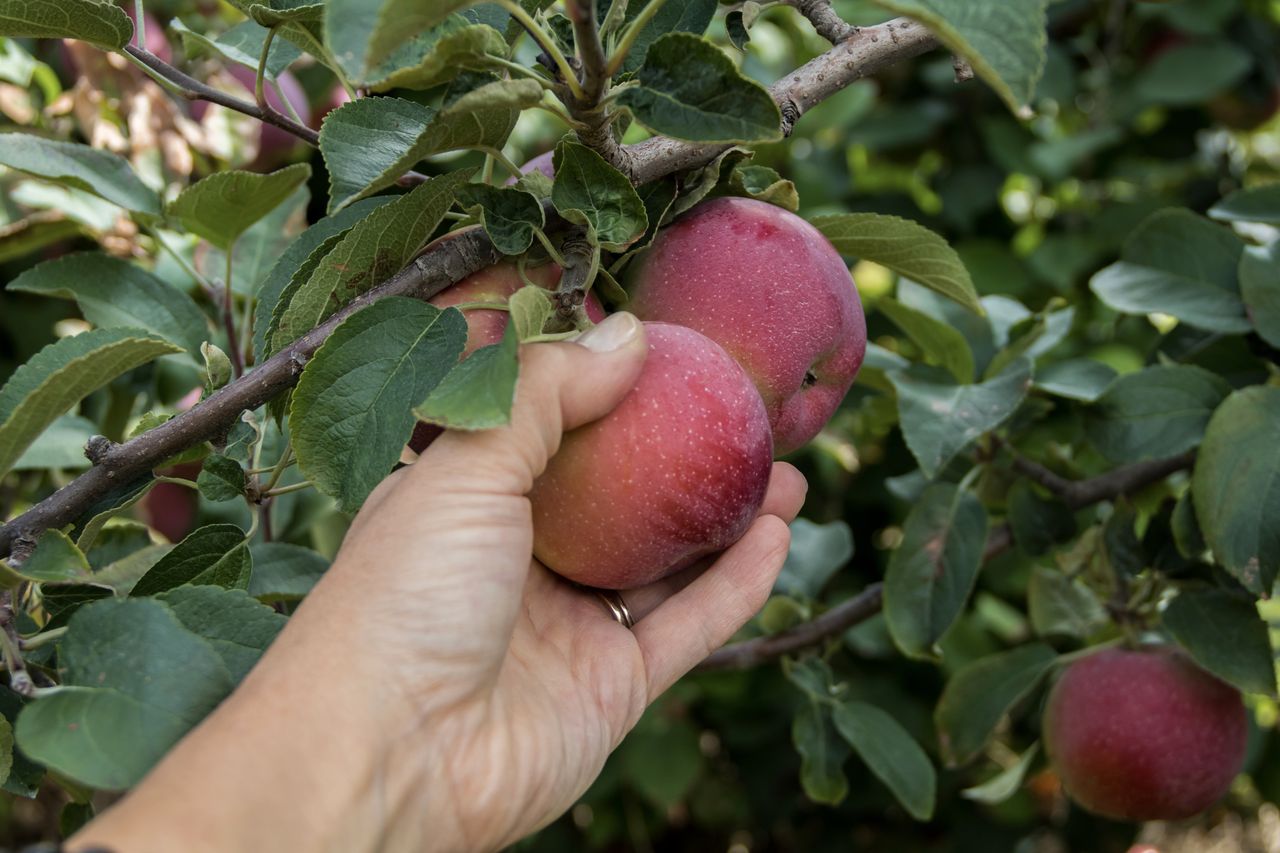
x: 541, y: 163
x: 157, y: 41
x: 1144, y: 735
x: 485, y: 327
x: 770, y: 289
x: 676, y: 472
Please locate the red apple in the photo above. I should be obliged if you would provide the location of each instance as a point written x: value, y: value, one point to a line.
x: 770, y: 289
x: 676, y: 472
x: 1144, y: 735
x: 541, y: 163
x: 485, y: 327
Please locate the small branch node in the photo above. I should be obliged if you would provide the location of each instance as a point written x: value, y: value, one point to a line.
x: 97, y: 448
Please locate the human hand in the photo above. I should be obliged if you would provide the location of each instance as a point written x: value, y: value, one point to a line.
x: 492, y: 691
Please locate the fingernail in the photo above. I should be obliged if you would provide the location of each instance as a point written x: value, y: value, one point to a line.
x: 612, y: 333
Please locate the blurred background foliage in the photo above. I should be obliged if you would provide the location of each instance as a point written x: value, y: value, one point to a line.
x: 1143, y: 105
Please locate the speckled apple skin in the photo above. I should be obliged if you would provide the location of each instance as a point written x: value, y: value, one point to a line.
x: 491, y: 284
x: 676, y: 472
x: 770, y: 289
x: 1144, y: 735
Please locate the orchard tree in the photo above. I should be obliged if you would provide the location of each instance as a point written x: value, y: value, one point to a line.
x: 259, y: 253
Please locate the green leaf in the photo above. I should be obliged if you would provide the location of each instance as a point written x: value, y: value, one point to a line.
x: 662, y: 761
x: 364, y: 143
x: 376, y: 248
x: 277, y: 340
x: 1038, y: 524
x: 102, y: 173
x: 822, y: 755
x: 439, y: 55
x: 687, y: 16
x: 260, y: 246
x: 369, y: 143
x: 891, y: 754
x: 134, y: 682
x: 1061, y: 606
x: 1255, y: 204
x: 980, y: 695
x: 932, y: 573
x: 940, y: 418
x: 114, y: 293
x: 1080, y: 379
x: 1224, y: 634
x: 282, y: 273
x: 906, y: 247
x: 61, y: 445
x: 60, y: 375
x: 223, y: 205
x: 351, y: 415
x: 221, y: 479
x: 103, y: 24
x: 943, y: 345
x: 690, y: 90
x: 1133, y: 289
x: 284, y: 572
x: 397, y: 21
x: 509, y: 215
x: 590, y: 192
x: 118, y: 498
x: 237, y: 627
x: 1236, y: 486
x: 1260, y: 289
x: 1003, y: 40
x: 6, y: 749
x: 530, y: 309
x: 214, y: 554
x: 1004, y: 784
x: 1179, y: 264
x: 273, y: 13
x: 817, y: 552
x: 1155, y: 413
x: 56, y: 560
x: 241, y: 44
x: 765, y: 184
x: 1187, y: 536
x: 478, y: 393
x: 1190, y: 74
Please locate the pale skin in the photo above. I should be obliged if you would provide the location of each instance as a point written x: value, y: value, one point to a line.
x: 440, y: 689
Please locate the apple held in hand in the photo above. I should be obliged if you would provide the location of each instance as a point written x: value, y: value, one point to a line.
x: 676, y: 472
x: 1144, y: 735
x: 770, y: 289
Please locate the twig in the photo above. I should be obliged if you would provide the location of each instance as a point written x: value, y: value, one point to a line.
x: 1081, y: 493
x: 197, y: 91
x: 842, y: 617
x: 835, y: 621
x: 825, y: 21
x: 443, y: 264
x: 870, y: 50
x: 581, y: 264
x: 586, y: 35
x: 19, y: 679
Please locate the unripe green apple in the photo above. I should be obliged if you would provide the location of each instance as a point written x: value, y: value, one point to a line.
x: 770, y: 289
x: 676, y: 472
x: 485, y: 326
x: 1144, y: 735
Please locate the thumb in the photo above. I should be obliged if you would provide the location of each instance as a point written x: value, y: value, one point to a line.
x: 561, y: 386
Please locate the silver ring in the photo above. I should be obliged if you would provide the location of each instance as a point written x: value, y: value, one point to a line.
x: 617, y: 607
